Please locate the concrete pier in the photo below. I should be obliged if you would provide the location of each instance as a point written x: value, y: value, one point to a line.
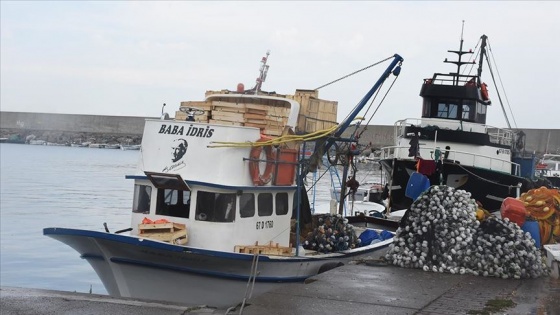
x: 350, y: 289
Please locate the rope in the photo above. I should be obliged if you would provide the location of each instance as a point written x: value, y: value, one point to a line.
x: 252, y: 276
x: 378, y: 106
x: 484, y: 179
x: 497, y: 92
x: 276, y: 141
x: 353, y: 73
x: 316, y: 181
x: 502, y: 84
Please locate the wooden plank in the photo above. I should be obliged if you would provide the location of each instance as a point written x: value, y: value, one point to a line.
x: 254, y: 116
x: 228, y: 109
x: 257, y: 106
x: 228, y: 104
x: 255, y: 111
x: 156, y: 226
x: 225, y: 122
x: 238, y: 117
x: 270, y: 249
x: 262, y: 126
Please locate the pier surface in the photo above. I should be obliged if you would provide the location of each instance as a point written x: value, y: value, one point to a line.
x: 350, y: 289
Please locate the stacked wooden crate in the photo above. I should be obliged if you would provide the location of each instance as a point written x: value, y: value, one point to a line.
x: 315, y: 114
x: 170, y: 232
x: 269, y: 115
x: 268, y: 249
x: 271, y: 119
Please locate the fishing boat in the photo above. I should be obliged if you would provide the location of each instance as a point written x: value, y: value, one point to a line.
x: 452, y: 145
x: 549, y: 169
x: 218, y: 205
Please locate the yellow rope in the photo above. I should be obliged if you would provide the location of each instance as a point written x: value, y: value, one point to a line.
x: 276, y: 141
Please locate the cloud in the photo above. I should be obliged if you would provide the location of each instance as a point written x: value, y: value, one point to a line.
x: 183, y: 48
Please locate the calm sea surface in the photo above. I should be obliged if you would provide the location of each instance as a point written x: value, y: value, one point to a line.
x: 50, y: 186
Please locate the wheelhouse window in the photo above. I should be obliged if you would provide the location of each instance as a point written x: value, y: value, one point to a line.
x: 215, y: 207
x: 281, y: 203
x: 247, y: 205
x: 142, y: 199
x: 447, y: 110
x: 173, y: 202
x: 466, y: 113
x: 426, y: 107
x: 265, y: 204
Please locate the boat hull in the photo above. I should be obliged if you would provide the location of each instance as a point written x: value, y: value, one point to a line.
x: 140, y: 268
x: 486, y: 186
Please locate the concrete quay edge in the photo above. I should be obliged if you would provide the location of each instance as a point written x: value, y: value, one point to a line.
x: 350, y: 289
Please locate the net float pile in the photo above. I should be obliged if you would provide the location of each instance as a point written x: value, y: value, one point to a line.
x: 440, y: 233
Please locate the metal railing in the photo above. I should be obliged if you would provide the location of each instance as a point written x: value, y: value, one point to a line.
x: 497, y: 135
x: 475, y: 160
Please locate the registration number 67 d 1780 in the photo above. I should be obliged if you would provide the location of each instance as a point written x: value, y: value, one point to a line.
x: 265, y: 224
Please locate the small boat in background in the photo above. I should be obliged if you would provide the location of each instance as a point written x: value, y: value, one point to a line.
x: 126, y: 147
x: 80, y: 145
x: 37, y: 142
x: 549, y: 168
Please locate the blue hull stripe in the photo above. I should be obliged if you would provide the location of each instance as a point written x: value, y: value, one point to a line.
x: 124, y: 239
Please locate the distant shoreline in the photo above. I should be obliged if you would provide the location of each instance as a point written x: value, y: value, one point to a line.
x: 71, y: 128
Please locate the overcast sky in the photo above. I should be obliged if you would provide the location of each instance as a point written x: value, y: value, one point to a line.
x: 129, y: 57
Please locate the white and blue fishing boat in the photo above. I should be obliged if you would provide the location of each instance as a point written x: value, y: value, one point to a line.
x: 217, y: 205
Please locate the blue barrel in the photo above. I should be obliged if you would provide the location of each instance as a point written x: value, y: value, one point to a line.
x: 532, y: 227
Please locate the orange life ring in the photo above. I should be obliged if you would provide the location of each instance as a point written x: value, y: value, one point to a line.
x: 484, y: 91
x: 254, y: 169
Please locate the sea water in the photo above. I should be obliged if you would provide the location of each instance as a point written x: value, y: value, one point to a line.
x: 82, y: 188
x: 52, y: 186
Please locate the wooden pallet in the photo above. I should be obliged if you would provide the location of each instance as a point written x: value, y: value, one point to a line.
x: 175, y: 233
x: 269, y: 249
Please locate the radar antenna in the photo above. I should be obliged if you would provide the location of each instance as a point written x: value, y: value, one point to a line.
x: 263, y: 71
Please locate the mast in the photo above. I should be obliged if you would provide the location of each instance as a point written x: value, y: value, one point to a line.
x: 460, y: 54
x: 263, y: 71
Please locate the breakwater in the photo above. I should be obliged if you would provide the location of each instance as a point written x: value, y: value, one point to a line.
x: 70, y: 128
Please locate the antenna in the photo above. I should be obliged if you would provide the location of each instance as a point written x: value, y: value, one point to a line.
x: 263, y: 71
x: 462, y: 29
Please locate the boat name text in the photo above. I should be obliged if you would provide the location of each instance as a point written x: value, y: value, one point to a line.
x: 503, y: 151
x: 265, y: 224
x: 192, y: 131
